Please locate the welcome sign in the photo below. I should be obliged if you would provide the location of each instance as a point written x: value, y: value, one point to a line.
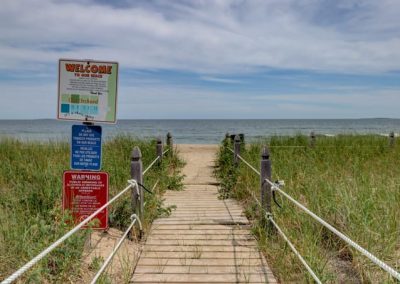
x: 87, y: 90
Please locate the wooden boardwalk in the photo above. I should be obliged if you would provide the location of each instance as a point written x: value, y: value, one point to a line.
x: 205, y: 240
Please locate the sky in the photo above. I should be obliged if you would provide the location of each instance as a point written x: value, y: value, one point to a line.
x: 208, y: 59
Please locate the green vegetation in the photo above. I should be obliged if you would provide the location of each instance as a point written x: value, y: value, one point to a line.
x: 353, y: 182
x: 31, y: 216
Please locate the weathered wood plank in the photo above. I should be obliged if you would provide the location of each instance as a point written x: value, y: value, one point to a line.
x: 202, y: 278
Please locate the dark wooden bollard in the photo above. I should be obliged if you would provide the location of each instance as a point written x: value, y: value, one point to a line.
x: 236, y: 148
x: 137, y: 174
x: 227, y: 137
x: 391, y: 139
x: 159, y: 150
x: 170, y: 144
x: 312, y: 139
x: 266, y: 189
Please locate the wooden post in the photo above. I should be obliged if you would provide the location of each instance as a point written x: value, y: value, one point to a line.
x: 391, y: 139
x: 137, y: 174
x: 170, y: 144
x: 266, y: 191
x: 159, y: 150
x: 236, y: 147
x: 227, y: 137
x: 241, y: 136
x: 312, y: 139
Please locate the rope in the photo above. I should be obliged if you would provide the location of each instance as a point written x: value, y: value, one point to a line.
x: 41, y: 255
x: 247, y: 163
x: 166, y: 151
x: 250, y: 166
x: 155, y: 185
x: 110, y: 257
x: 152, y: 190
x: 345, y: 238
x: 152, y: 163
x: 269, y: 217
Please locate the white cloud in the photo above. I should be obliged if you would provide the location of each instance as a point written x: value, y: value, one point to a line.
x: 205, y: 36
x: 215, y: 39
x: 220, y: 80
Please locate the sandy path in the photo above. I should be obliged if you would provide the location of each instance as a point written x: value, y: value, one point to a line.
x: 199, y: 163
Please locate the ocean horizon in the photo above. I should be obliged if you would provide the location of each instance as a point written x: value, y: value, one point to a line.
x: 199, y: 131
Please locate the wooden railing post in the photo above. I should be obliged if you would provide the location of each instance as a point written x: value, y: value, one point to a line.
x: 391, y: 139
x: 159, y: 150
x: 170, y: 144
x: 236, y: 147
x: 312, y: 139
x: 227, y: 137
x: 266, y: 190
x: 137, y: 174
x: 241, y: 136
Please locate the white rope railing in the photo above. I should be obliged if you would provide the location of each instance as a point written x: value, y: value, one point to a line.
x: 152, y: 163
x: 345, y: 238
x: 250, y: 166
x: 110, y: 257
x: 152, y: 190
x: 269, y: 217
x: 50, y: 248
x: 247, y: 163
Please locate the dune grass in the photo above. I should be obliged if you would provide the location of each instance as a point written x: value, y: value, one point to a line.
x: 31, y: 216
x: 351, y: 181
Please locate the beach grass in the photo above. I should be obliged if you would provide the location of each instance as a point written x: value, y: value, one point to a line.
x: 31, y: 216
x: 351, y: 181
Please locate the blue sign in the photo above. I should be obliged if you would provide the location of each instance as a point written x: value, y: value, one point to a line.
x: 86, y: 147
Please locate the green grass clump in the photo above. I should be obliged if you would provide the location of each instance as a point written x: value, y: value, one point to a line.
x: 351, y: 181
x: 31, y: 216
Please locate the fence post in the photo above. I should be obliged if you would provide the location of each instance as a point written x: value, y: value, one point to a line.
x: 159, y: 150
x: 312, y: 139
x: 391, y: 139
x: 170, y: 144
x: 137, y: 174
x: 236, y: 148
x: 241, y: 136
x: 266, y: 192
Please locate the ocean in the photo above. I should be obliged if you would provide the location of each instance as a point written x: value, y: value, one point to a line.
x: 209, y: 131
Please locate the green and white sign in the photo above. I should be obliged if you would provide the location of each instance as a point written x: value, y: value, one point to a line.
x: 87, y: 90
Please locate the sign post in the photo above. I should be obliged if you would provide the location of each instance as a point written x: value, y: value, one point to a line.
x: 87, y: 92
x: 83, y: 193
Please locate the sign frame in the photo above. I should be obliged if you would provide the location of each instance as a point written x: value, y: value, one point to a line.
x: 83, y: 67
x: 78, y: 147
x: 79, y: 218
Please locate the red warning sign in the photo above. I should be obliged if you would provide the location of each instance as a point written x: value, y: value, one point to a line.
x: 83, y: 193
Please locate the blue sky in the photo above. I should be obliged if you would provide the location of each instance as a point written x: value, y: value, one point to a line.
x: 209, y: 59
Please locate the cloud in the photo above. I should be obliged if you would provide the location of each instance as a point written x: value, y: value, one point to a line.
x: 221, y: 80
x: 209, y: 37
x: 209, y: 59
